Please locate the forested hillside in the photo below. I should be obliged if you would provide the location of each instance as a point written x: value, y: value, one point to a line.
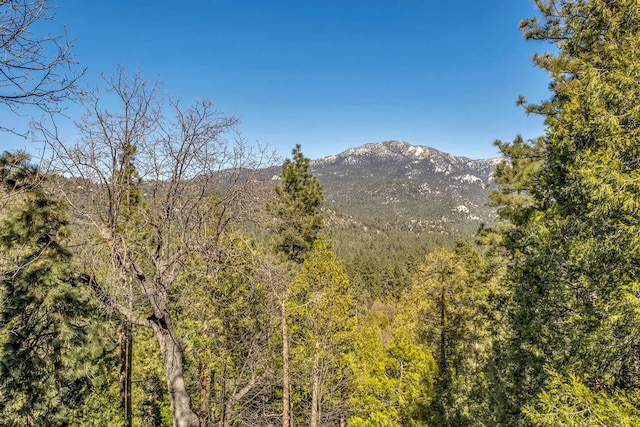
x: 154, y: 272
x: 406, y: 187
x: 390, y: 203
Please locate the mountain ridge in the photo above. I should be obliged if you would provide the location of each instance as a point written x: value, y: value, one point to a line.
x: 409, y: 187
x: 399, y: 147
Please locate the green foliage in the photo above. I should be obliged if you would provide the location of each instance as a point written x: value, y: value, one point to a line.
x: 322, y: 326
x: 572, y: 243
x: 15, y: 172
x: 517, y: 175
x: 299, y: 197
x: 319, y: 296
x: 393, y: 372
x: 567, y: 401
x: 381, y: 264
x: 101, y: 406
x: 224, y: 316
x: 445, y: 309
x: 48, y: 326
x: 151, y: 406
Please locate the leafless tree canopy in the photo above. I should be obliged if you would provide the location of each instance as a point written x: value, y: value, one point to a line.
x: 35, y: 69
x: 157, y: 189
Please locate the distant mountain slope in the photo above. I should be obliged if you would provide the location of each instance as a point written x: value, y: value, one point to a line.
x: 414, y: 188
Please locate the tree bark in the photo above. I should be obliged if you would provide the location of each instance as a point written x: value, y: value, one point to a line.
x: 172, y: 352
x: 315, y: 392
x: 126, y: 357
x: 203, y: 395
x: 443, y: 326
x: 31, y: 418
x: 223, y: 397
x: 286, y: 381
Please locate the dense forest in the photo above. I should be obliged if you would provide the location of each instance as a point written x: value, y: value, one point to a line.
x: 151, y: 276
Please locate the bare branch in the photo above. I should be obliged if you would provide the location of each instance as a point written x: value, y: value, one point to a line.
x: 35, y: 69
x: 103, y: 297
x: 156, y: 191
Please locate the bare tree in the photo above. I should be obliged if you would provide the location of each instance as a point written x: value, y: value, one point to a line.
x: 156, y: 192
x: 35, y: 69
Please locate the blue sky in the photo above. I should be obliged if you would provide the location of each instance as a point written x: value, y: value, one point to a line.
x: 328, y: 75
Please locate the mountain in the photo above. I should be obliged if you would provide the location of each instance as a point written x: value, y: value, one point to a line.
x: 394, y: 184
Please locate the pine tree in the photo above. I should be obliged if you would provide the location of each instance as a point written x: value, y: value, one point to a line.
x: 573, y: 247
x: 394, y: 370
x: 567, y: 401
x: 45, y: 317
x: 299, y: 198
x: 15, y: 172
x: 320, y: 310
x: 444, y: 307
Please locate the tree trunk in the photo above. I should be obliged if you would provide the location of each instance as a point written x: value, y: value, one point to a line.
x: 58, y: 368
x: 315, y: 392
x: 31, y: 418
x: 223, y: 398
x: 203, y: 395
x: 126, y: 357
x: 171, y: 350
x: 286, y: 382
x: 443, y: 326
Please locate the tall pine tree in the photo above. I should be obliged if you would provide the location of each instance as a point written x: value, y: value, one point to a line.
x: 45, y: 323
x: 299, y: 198
x: 574, y: 245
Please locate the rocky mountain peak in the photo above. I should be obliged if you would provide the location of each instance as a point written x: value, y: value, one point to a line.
x: 415, y: 187
x: 395, y: 158
x: 381, y: 151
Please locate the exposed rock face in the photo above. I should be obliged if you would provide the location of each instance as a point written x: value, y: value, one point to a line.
x: 414, y: 187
